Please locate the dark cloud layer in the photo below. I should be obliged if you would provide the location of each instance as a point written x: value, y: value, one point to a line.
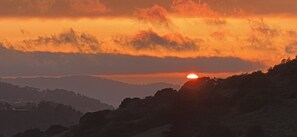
x: 95, y: 8
x: 150, y: 40
x: 16, y: 63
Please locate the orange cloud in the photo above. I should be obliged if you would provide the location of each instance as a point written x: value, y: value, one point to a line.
x: 192, y: 8
x: 68, y: 41
x: 89, y: 6
x: 99, y: 8
x: 215, y: 21
x: 149, y: 40
x: 218, y: 35
x: 291, y: 48
x: 268, y: 7
x: 262, y: 35
x: 154, y: 15
x: 52, y: 8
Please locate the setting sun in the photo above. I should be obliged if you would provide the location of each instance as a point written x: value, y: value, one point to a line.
x: 192, y: 76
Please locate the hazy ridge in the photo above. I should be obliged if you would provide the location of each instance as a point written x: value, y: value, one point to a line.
x: 106, y: 90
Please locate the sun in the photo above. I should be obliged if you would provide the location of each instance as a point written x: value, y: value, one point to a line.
x: 192, y: 76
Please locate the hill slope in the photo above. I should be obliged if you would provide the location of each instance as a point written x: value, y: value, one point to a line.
x: 109, y: 91
x: 15, y: 118
x: 15, y: 94
x: 247, y: 105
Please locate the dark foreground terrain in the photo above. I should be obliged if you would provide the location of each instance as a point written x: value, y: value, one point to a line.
x: 249, y: 105
x: 26, y: 107
x: 15, y: 118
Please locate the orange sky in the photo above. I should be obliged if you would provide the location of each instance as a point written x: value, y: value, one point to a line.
x: 175, y: 28
x: 235, y: 38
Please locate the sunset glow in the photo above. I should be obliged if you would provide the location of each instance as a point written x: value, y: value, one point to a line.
x: 246, y: 36
x: 192, y: 76
x: 150, y: 68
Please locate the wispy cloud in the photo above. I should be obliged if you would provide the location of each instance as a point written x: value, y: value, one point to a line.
x: 262, y: 35
x: 218, y: 35
x: 155, y: 15
x: 69, y: 40
x: 150, y: 40
x: 192, y: 8
x: 217, y: 21
x: 291, y: 48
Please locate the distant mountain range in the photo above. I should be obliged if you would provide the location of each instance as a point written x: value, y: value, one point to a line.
x: 105, y: 90
x: 248, y: 105
x: 13, y: 94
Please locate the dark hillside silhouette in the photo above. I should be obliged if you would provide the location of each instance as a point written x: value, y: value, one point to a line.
x: 248, y: 105
x: 32, y: 115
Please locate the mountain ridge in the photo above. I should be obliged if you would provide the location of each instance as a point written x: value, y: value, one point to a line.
x: 93, y: 87
x: 12, y: 93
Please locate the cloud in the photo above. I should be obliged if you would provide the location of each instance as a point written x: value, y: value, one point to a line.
x: 291, y: 48
x: 292, y: 34
x: 154, y: 15
x: 217, y: 21
x: 90, y: 7
x: 261, y: 27
x: 52, y: 8
x: 256, y: 7
x: 218, y: 35
x: 16, y: 63
x: 262, y: 35
x: 99, y: 8
x: 192, y: 8
x: 70, y: 40
x: 235, y: 7
x: 24, y: 32
x: 150, y: 40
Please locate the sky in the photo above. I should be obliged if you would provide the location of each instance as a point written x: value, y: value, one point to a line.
x: 143, y: 41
